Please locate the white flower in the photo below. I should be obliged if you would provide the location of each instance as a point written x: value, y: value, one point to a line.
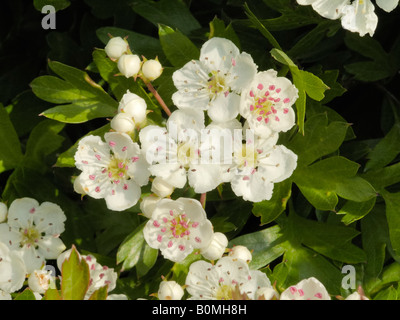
x: 3, y: 212
x: 356, y: 296
x: 122, y: 123
x: 215, y: 81
x: 34, y: 231
x: 216, y: 248
x: 267, y: 293
x: 116, y: 296
x: 129, y: 65
x: 177, y: 227
x: 100, y: 276
x: 39, y: 280
x: 12, y: 271
x: 241, y: 252
x: 148, y: 204
x: 134, y: 106
x: 114, y: 170
x: 5, y: 295
x: 387, y: 5
x: 307, y: 289
x: 116, y: 47
x: 228, y: 279
x: 330, y: 9
x: 360, y: 17
x: 161, y: 187
x: 267, y: 103
x: 178, y: 154
x: 258, y: 164
x: 152, y: 69
x: 170, y: 290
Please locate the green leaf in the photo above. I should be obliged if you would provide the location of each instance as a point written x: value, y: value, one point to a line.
x: 130, y: 250
x: 392, y: 201
x: 319, y: 139
x: 386, y: 150
x: 269, y: 210
x: 85, y: 100
x: 218, y: 29
x: 266, y: 245
x: 387, y: 294
x: 52, y: 294
x: 100, y: 294
x: 10, y: 149
x: 173, y: 13
x: 353, y: 210
x: 27, y: 294
x: 57, y: 4
x: 178, y: 48
x: 148, y: 258
x: 75, y: 277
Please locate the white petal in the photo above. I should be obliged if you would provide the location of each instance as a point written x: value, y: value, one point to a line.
x: 330, y: 9
x: 224, y: 108
x: 252, y: 187
x: 204, y: 177
x: 360, y: 17
x: 171, y: 172
x: 10, y: 236
x: 50, y: 219
x: 307, y: 289
x: 92, y: 152
x: 50, y: 247
x: 387, y: 5
x: 32, y: 258
x: 125, y: 195
x: 216, y: 53
x: 243, y: 72
x: 21, y: 212
x: 185, y: 123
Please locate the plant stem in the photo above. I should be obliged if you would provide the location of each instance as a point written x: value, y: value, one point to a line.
x: 203, y: 200
x: 158, y: 97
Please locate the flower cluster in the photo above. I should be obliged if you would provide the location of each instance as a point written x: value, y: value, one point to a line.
x: 29, y: 236
x: 231, y: 278
x: 356, y: 16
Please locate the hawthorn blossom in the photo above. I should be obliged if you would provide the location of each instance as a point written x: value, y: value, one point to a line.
x: 227, y: 279
x: 177, y: 227
x: 3, y: 212
x: 215, y: 81
x: 267, y: 103
x: 40, y: 280
x: 180, y: 153
x: 114, y: 170
x: 116, y: 47
x: 307, y: 289
x: 356, y: 16
x: 258, y: 164
x: 12, y: 271
x: 33, y: 230
x: 100, y: 275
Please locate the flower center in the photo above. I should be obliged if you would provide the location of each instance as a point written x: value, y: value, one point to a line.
x: 186, y: 153
x: 117, y: 169
x: 216, y: 84
x: 246, y: 157
x: 224, y: 292
x: 30, y: 236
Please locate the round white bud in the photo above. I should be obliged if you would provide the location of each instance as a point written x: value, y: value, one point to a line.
x: 148, y: 205
x: 152, y: 69
x: 170, y: 290
x: 240, y: 252
x: 116, y: 47
x: 123, y: 123
x: 161, y: 187
x: 39, y: 281
x: 216, y: 248
x: 129, y: 65
x: 133, y: 105
x: 3, y: 212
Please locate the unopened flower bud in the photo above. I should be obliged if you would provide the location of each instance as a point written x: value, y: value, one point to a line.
x: 240, y: 252
x: 122, y: 123
x: 161, y: 187
x: 39, y: 281
x: 216, y: 248
x: 78, y: 187
x: 116, y: 47
x: 133, y: 105
x: 170, y: 290
x: 129, y: 65
x: 148, y: 205
x: 152, y: 69
x: 3, y: 212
